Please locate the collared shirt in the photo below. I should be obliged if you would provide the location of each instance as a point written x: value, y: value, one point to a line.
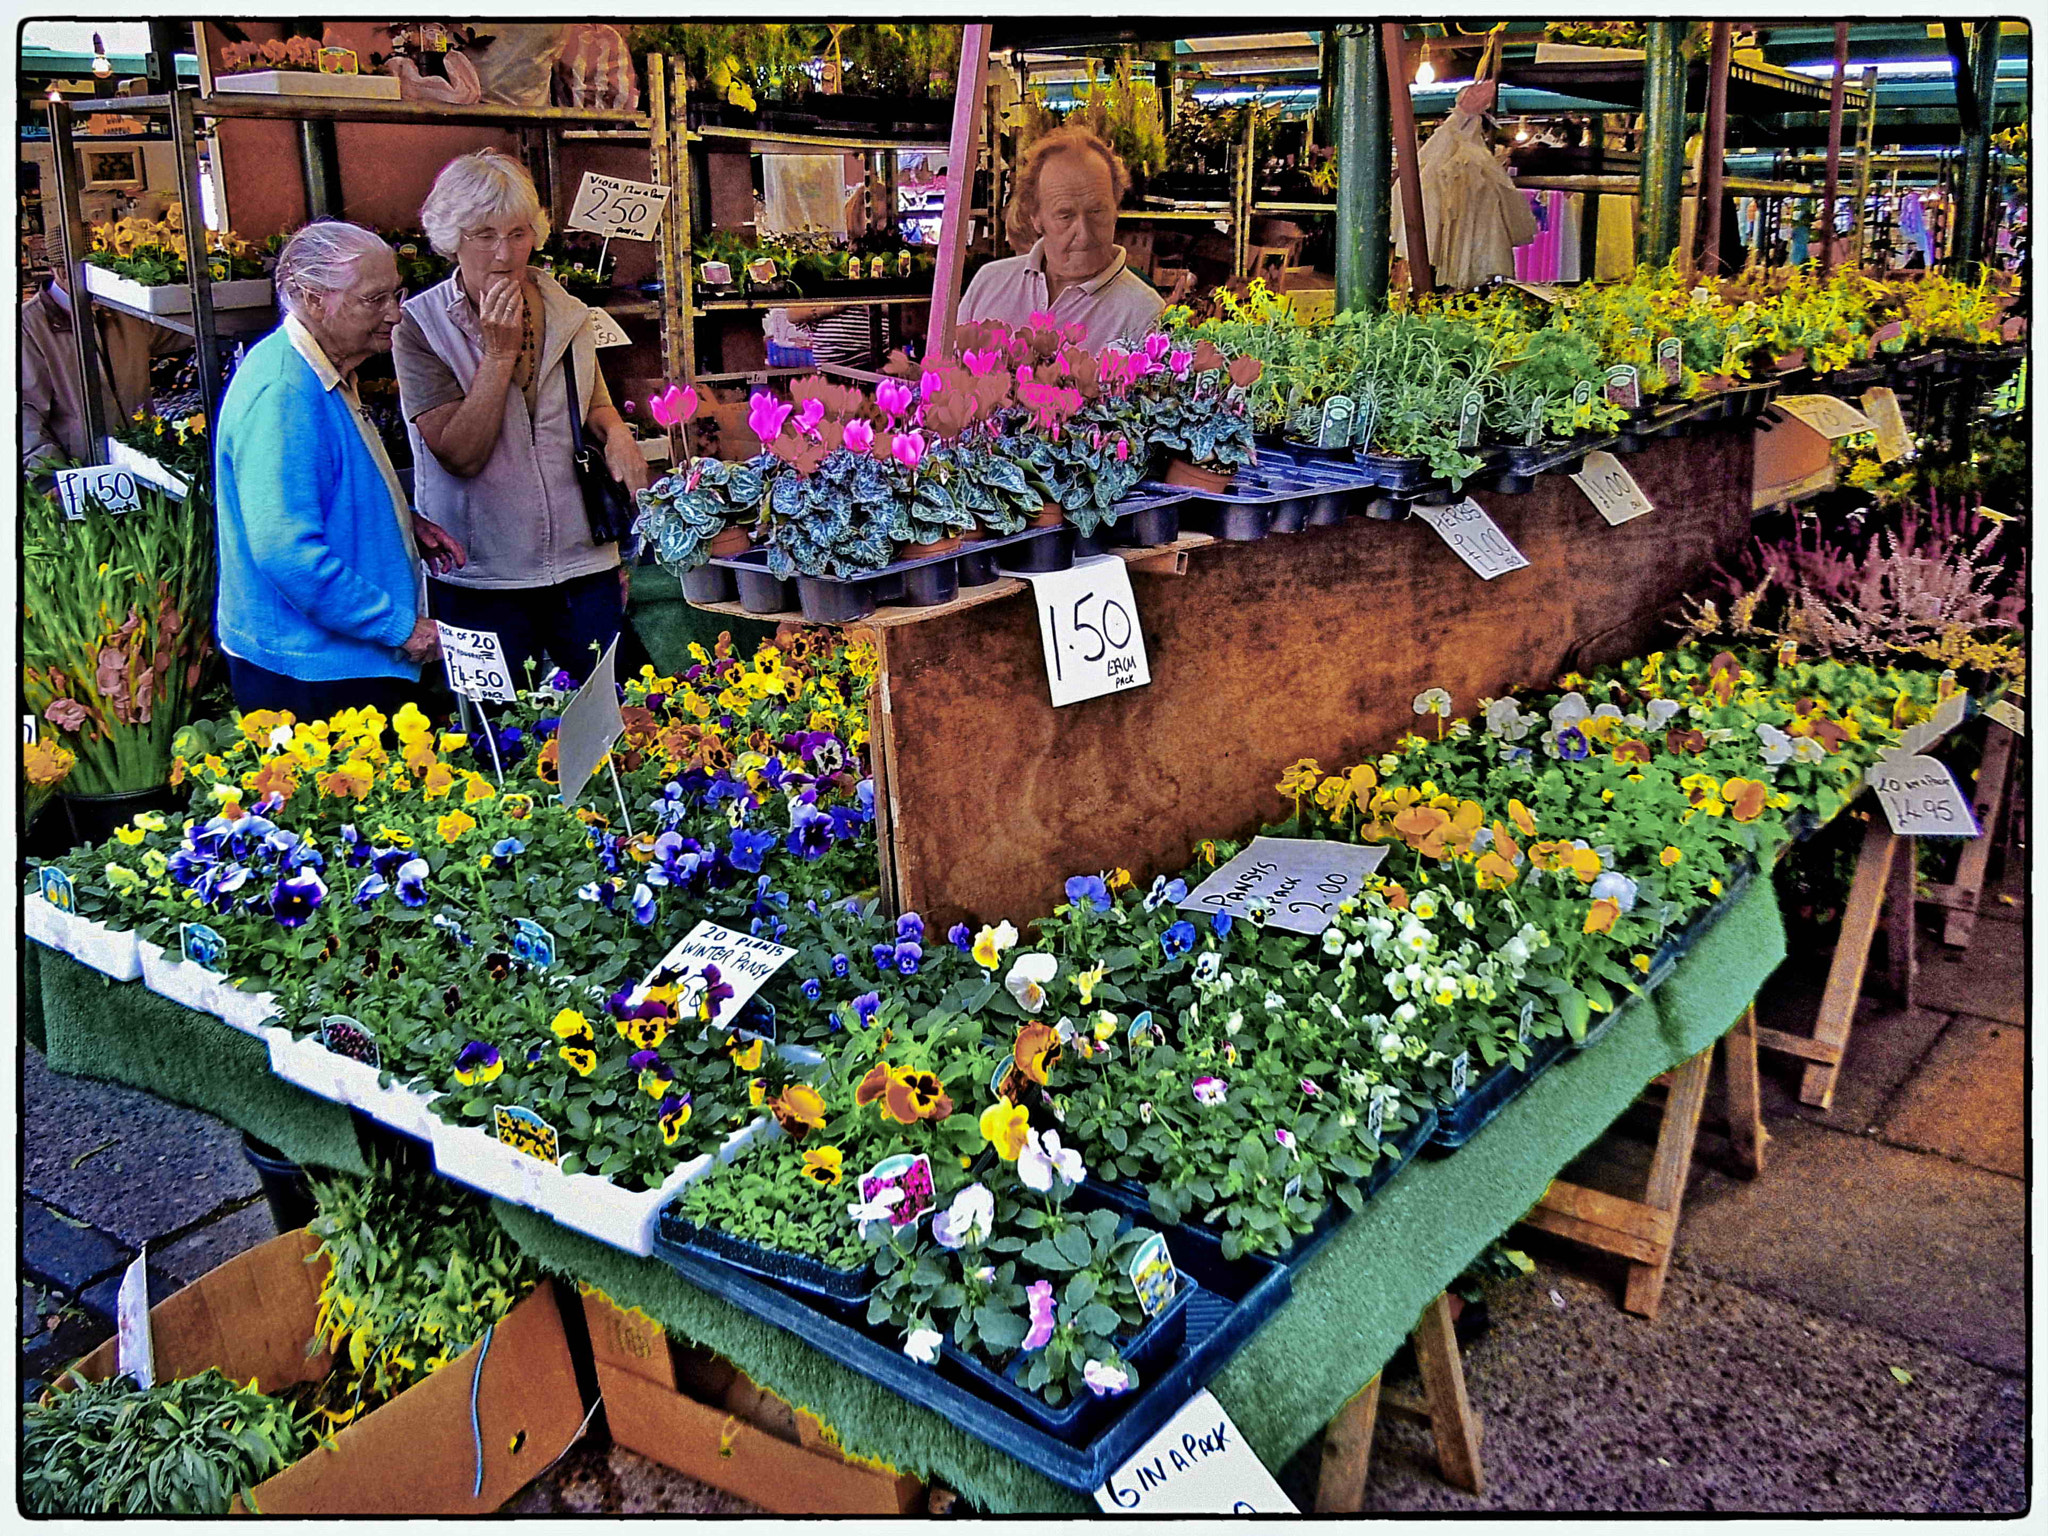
x: 303, y: 343
x: 1114, y: 305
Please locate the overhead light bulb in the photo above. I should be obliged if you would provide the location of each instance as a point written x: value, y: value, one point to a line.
x: 55, y: 94
x: 101, y: 64
x: 1522, y: 134
x: 1425, y: 72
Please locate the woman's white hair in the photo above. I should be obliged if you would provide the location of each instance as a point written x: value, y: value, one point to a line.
x: 321, y: 258
x: 474, y: 190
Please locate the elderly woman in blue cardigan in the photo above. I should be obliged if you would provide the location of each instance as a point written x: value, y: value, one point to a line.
x: 320, y: 602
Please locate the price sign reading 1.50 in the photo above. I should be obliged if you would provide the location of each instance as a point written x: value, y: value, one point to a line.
x: 1088, y: 620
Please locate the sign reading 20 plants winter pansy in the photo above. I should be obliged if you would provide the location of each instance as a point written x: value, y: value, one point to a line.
x: 1295, y: 882
x: 742, y: 961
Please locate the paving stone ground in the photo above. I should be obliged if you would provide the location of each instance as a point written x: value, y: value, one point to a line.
x: 1888, y: 1234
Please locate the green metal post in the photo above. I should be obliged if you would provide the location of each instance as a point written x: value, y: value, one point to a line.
x: 1365, y: 169
x: 1974, y: 186
x: 1663, y: 142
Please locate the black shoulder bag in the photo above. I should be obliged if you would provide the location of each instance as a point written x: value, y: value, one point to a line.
x: 606, y: 503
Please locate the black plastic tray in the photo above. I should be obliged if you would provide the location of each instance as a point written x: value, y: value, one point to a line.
x: 1458, y: 1123
x: 1236, y: 1299
x: 813, y: 1277
x: 919, y: 583
x: 1278, y: 495
x: 1676, y: 946
x: 1402, y: 474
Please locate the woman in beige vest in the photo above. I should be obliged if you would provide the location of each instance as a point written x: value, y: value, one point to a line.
x: 484, y: 363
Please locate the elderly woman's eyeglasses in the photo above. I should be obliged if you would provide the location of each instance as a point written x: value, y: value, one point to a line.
x: 485, y: 239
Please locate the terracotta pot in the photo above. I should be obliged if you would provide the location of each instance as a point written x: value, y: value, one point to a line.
x: 952, y: 544
x: 1049, y: 516
x: 728, y: 542
x: 1181, y: 472
x: 1790, y: 361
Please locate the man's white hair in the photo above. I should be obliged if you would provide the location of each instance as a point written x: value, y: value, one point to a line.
x: 475, y: 190
x: 320, y: 259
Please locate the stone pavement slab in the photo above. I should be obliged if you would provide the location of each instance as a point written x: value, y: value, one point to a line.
x: 1730, y: 1402
x: 130, y: 1164
x: 1990, y: 1474
x: 1989, y: 979
x: 1968, y: 1099
x: 1916, y: 1246
x: 66, y: 1253
x: 210, y: 1246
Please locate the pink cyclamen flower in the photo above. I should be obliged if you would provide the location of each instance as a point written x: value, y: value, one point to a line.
x: 765, y: 416
x: 1024, y: 374
x: 860, y: 437
x: 1143, y: 366
x: 892, y: 397
x: 1157, y: 345
x: 1041, y: 320
x: 1123, y: 450
x: 1178, y: 362
x: 908, y: 449
x: 1039, y: 1295
x: 929, y: 383
x: 808, y: 418
x: 1074, y: 333
x: 1286, y: 1139
x: 980, y: 363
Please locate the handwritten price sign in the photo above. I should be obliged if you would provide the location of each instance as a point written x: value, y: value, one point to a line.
x: 1088, y: 620
x: 1921, y: 798
x: 1475, y: 537
x: 98, y: 485
x: 1197, y: 1465
x: 476, y: 664
x: 616, y: 208
x: 605, y: 331
x: 1893, y: 440
x: 1830, y: 417
x: 1296, y: 882
x: 1612, y: 489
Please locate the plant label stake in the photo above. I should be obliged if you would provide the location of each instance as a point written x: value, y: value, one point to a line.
x: 1533, y: 433
x: 1893, y: 440
x: 1582, y: 392
x: 28, y: 730
x: 591, y: 722
x: 910, y: 1175
x: 1299, y: 881
x: 524, y: 1131
x: 1528, y: 1021
x: 203, y: 947
x: 1088, y: 620
x: 1153, y: 1276
x: 346, y: 1037
x: 1334, y: 431
x: 1624, y: 388
x: 532, y: 943
x: 1611, y: 488
x: 1671, y: 360
x: 612, y: 206
x: 98, y: 485
x: 1376, y: 1118
x: 1474, y: 536
x: 1468, y: 419
x: 1461, y: 1074
x: 1198, y: 1464
x: 55, y: 887
x: 135, y: 1355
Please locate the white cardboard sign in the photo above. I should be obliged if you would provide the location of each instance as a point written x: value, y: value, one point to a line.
x: 114, y: 490
x: 1088, y: 620
x: 744, y: 963
x: 1612, y: 489
x: 1197, y: 1465
x: 475, y: 663
x: 605, y: 331
x: 2009, y: 715
x: 1830, y: 417
x: 616, y: 208
x: 591, y: 722
x: 1946, y: 717
x: 1893, y: 440
x: 1921, y: 798
x: 1297, y: 881
x: 1475, y: 537
x: 135, y: 1355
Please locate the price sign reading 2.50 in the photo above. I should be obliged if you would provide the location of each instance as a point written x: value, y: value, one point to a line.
x: 1088, y: 620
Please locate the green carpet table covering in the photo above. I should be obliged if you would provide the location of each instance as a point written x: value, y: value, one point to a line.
x: 1352, y: 1305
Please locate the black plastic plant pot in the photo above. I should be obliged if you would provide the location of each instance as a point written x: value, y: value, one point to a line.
x: 926, y: 586
x: 761, y: 591
x: 93, y: 818
x: 978, y: 567
x: 708, y: 584
x: 800, y: 1272
x: 1458, y: 1123
x: 1628, y: 442
x: 1289, y: 516
x: 1152, y: 526
x: 1075, y: 1421
x: 1329, y: 509
x: 1307, y: 450
x: 825, y: 601
x: 1097, y: 543
x: 1395, y: 472
x: 1052, y: 550
x: 1235, y: 522
x: 1508, y: 483
x: 284, y: 1184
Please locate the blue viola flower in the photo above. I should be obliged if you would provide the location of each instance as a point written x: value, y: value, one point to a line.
x: 546, y: 726
x: 866, y: 1006
x: 846, y: 823
x: 561, y: 681
x: 908, y: 958
x: 355, y: 847
x: 812, y: 988
x: 722, y: 790
x: 373, y: 886
x: 386, y: 860
x: 188, y: 865
x: 864, y: 797
x: 1219, y: 924
x: 1165, y: 893
x: 851, y: 906
x: 534, y: 1054
x: 961, y: 937
x: 1572, y: 745
x: 771, y: 928
x: 885, y: 957
x: 643, y: 905
x: 841, y: 965
x: 910, y: 927
x: 748, y: 849
x: 768, y: 902
x: 1178, y: 939
x: 1090, y: 889
x: 412, y: 882
x: 507, y: 848
x: 810, y: 832
x: 296, y: 898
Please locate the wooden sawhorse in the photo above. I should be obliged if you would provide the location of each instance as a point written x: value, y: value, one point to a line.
x: 1994, y: 781
x: 1645, y: 1231
x: 1347, y: 1442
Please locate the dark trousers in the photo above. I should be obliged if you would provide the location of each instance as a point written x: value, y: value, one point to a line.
x: 259, y: 688
x: 571, y: 622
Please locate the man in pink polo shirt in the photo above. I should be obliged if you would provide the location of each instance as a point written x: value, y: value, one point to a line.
x: 1066, y: 196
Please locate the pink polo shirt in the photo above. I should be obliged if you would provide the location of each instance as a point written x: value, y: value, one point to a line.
x: 1115, y: 305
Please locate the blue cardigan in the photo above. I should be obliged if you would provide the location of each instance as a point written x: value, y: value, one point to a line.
x: 315, y: 579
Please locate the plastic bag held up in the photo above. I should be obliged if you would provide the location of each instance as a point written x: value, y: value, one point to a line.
x: 461, y: 88
x: 1473, y: 212
x: 596, y: 71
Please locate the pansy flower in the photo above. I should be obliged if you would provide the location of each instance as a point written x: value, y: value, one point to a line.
x: 798, y: 1109
x: 1600, y: 915
x: 1027, y: 979
x: 1210, y: 1091
x: 674, y: 1114
x: 961, y: 937
x: 990, y: 943
x: 1043, y: 1158
x: 580, y: 1055
x: 655, y: 1076
x: 822, y: 1165
x: 1038, y: 1297
x: 295, y: 899
x: 1004, y: 1126
x: 865, y: 1007
x: 1105, y: 1380
x: 1036, y: 1048
x: 1177, y: 940
x: 477, y: 1063
x: 747, y: 1058
x: 1089, y: 890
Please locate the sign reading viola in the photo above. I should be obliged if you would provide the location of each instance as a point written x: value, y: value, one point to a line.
x: 1295, y: 882
x: 1088, y: 620
x: 617, y: 208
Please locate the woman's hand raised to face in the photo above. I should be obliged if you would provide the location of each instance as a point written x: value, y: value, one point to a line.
x: 502, y: 316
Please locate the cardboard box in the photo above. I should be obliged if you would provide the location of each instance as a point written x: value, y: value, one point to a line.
x: 416, y: 1455
x: 692, y: 1411
x: 1792, y: 461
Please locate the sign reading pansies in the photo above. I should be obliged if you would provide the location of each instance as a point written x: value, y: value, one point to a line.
x: 1297, y: 882
x: 717, y: 967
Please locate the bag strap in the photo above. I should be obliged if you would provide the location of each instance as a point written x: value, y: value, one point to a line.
x: 575, y: 404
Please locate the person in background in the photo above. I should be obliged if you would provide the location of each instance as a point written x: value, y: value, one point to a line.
x: 484, y: 361
x: 1069, y: 184
x: 52, y: 401
x: 319, y: 557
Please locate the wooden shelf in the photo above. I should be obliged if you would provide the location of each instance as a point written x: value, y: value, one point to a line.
x: 1294, y: 207
x: 895, y: 617
x: 762, y: 141
x: 348, y: 109
x: 239, y: 324
x: 721, y: 306
x: 632, y: 309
